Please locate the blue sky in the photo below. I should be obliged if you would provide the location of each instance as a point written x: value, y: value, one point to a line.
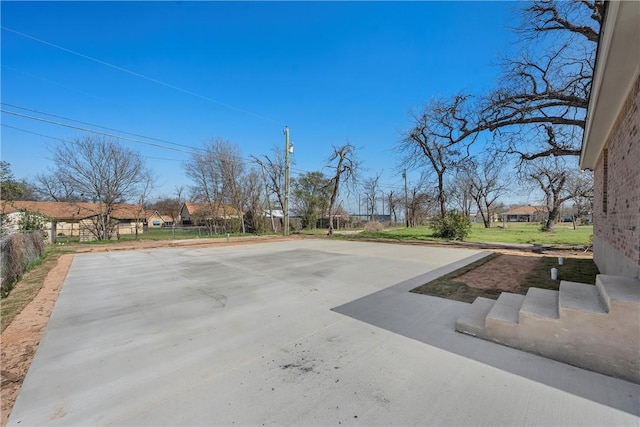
x: 185, y: 72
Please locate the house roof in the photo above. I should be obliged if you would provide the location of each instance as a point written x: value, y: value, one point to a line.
x: 69, y: 210
x: 525, y: 210
x: 616, y: 72
x: 222, y: 210
x: 163, y: 216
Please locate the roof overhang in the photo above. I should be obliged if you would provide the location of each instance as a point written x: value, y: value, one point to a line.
x: 617, y: 68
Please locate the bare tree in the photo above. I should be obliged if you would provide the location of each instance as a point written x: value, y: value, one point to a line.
x: 232, y: 169
x: 141, y: 207
x: 267, y: 194
x: 54, y: 187
x: 537, y: 112
x: 167, y: 205
x: 459, y: 189
x: 371, y: 187
x: 274, y: 169
x: 103, y: 171
x: 216, y: 172
x: 580, y: 188
x: 558, y: 183
x: 539, y: 108
x: 393, y: 201
x: 422, y: 201
x: 486, y: 184
x: 434, y: 141
x: 207, y: 183
x: 345, y: 169
x: 253, y: 186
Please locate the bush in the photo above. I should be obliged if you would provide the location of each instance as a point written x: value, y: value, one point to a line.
x: 453, y: 226
x: 18, y: 251
x: 373, y: 226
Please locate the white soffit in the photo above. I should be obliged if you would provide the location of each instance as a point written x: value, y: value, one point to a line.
x: 617, y: 68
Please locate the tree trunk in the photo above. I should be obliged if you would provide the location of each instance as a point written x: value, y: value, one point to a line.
x: 441, y: 196
x: 551, y: 219
x: 486, y: 219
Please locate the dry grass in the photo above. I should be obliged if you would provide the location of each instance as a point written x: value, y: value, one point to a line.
x: 26, y: 288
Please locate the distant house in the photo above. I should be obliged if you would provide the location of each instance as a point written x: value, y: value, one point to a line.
x: 157, y: 220
x: 525, y: 214
x: 611, y: 142
x: 204, y: 213
x: 76, y: 218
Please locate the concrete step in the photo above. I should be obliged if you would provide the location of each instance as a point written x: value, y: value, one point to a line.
x: 472, y: 321
x: 540, y: 304
x: 619, y: 292
x: 506, y: 309
x: 580, y: 297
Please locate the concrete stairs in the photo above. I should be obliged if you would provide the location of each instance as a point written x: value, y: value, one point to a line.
x: 593, y: 327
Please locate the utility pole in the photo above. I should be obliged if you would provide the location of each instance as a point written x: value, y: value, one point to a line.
x: 285, y: 229
x: 406, y: 199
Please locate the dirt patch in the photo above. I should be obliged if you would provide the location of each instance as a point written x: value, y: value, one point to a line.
x: 505, y: 273
x: 21, y: 338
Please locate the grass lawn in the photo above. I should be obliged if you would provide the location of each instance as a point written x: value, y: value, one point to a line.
x: 564, y: 234
x: 573, y: 269
x: 27, y: 287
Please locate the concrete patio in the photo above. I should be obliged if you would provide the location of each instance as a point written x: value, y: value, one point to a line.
x: 310, y: 332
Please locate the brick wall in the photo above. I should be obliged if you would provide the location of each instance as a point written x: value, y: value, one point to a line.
x: 616, y: 208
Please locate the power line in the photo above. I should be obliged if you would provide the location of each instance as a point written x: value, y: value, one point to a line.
x: 31, y: 132
x: 62, y: 140
x: 100, y: 127
x: 191, y: 150
x: 136, y: 74
x: 40, y: 119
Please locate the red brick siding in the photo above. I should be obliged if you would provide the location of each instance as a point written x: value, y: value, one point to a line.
x: 619, y: 222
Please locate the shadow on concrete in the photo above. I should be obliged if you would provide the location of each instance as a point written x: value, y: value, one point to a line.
x: 431, y: 320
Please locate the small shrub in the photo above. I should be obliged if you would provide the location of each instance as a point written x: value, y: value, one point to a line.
x: 373, y: 226
x: 453, y: 226
x: 30, y: 221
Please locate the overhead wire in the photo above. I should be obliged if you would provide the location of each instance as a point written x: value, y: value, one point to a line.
x: 40, y: 119
x: 100, y: 127
x: 136, y: 74
x: 63, y: 140
x: 190, y: 149
x: 297, y: 172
